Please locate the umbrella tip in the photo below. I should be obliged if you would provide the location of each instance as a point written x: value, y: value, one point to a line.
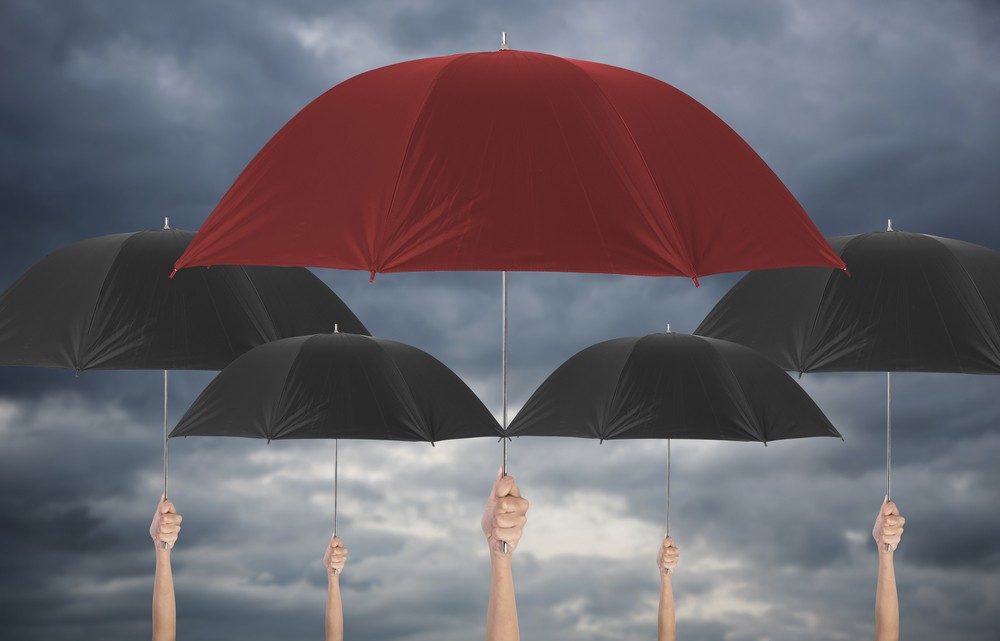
x: 166, y: 222
x: 668, y: 329
x: 503, y: 41
x: 336, y: 328
x: 889, y: 226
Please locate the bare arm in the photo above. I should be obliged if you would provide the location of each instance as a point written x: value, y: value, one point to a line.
x: 888, y: 530
x: 886, y: 604
x: 164, y: 607
x: 503, y: 521
x: 501, y: 617
x: 164, y: 529
x: 334, y: 560
x: 666, y: 563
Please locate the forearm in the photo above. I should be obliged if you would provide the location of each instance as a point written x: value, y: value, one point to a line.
x: 666, y: 629
x: 501, y: 618
x: 164, y: 606
x: 886, y: 603
x: 334, y: 609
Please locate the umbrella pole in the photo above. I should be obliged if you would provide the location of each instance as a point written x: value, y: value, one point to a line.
x: 668, y: 494
x: 503, y: 306
x: 165, y: 462
x: 888, y: 441
x: 165, y: 466
x: 336, y: 453
x: 336, y: 456
x: 668, y: 487
x: 504, y: 368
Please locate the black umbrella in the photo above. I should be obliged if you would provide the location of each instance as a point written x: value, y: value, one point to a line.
x: 670, y: 386
x: 912, y: 303
x: 338, y: 386
x: 108, y: 303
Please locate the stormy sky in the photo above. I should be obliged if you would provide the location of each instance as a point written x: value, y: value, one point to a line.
x: 114, y: 115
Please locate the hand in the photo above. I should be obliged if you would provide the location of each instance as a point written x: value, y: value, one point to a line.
x: 669, y: 554
x: 336, y: 556
x: 166, y: 524
x: 888, y: 526
x: 504, y: 515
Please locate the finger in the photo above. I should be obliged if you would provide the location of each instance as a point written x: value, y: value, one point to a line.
x: 171, y: 518
x: 668, y: 542
x: 166, y: 506
x: 510, y: 520
x: 507, y: 534
x: 504, y: 485
x: 889, y: 508
x: 335, y: 542
x: 496, y: 481
x: 511, y: 505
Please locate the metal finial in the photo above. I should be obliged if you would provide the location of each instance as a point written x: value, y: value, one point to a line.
x: 668, y: 329
x: 166, y: 223
x: 336, y: 328
x: 503, y: 41
x: 889, y: 227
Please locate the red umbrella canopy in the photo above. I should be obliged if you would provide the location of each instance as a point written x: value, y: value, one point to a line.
x: 509, y: 161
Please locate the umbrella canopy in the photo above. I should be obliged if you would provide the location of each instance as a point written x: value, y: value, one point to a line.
x: 913, y: 303
x: 670, y: 386
x: 107, y: 303
x: 509, y: 161
x: 338, y: 386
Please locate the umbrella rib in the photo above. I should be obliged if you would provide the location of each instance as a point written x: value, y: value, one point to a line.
x: 402, y: 163
x: 614, y: 397
x: 804, y: 357
x: 97, y: 302
x: 692, y: 271
x: 412, y: 405
x: 276, y: 413
x: 762, y: 428
x: 975, y: 288
x: 260, y: 299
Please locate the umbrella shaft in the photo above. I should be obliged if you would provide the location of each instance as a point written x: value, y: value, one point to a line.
x: 888, y: 435
x: 165, y: 462
x: 503, y: 358
x: 668, y: 487
x: 336, y: 456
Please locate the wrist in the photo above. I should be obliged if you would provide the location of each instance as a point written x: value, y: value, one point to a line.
x: 498, y: 557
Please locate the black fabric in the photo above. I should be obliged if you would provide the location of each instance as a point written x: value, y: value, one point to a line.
x: 338, y: 386
x: 670, y: 386
x: 912, y: 303
x: 108, y: 303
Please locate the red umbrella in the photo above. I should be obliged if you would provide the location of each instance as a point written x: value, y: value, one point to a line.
x: 509, y: 161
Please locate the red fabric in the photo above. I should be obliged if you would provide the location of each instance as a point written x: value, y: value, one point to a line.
x: 514, y: 161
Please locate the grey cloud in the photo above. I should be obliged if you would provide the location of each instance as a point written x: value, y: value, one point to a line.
x: 116, y: 115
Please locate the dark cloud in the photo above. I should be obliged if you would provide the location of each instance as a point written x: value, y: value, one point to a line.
x: 115, y: 115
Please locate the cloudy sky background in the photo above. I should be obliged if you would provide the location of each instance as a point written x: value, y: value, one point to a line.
x: 116, y: 114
